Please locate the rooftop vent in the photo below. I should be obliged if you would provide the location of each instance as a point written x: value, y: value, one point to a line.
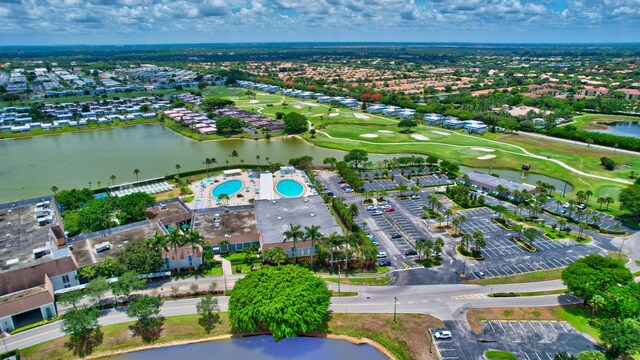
x: 279, y: 217
x: 312, y: 214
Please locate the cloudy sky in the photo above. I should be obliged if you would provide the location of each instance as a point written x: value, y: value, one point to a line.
x: 51, y: 22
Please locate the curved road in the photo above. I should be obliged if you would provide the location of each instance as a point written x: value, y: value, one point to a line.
x: 447, y: 302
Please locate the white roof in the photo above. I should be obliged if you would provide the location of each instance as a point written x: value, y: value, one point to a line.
x: 232, y: 172
x: 266, y: 186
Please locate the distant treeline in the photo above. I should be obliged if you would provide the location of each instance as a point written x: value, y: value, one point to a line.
x: 572, y: 133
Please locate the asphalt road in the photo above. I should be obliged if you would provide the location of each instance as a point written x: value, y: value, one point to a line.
x: 447, y: 302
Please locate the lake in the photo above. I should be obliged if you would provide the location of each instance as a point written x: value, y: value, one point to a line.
x: 622, y: 128
x: 519, y: 177
x: 261, y: 348
x: 30, y: 166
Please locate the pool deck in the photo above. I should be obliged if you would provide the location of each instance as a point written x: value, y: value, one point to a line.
x: 250, y: 188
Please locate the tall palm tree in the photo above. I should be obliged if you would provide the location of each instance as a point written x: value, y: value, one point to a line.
x: 54, y: 189
x: 294, y: 234
x: 207, y: 164
x: 157, y: 242
x: 178, y: 167
x: 213, y: 161
x: 89, y: 185
x: 350, y: 240
x: 258, y: 159
x: 333, y: 242
x: 113, y: 179
x: 608, y: 200
x: 99, y: 183
x: 194, y: 239
x: 312, y: 233
x: 588, y: 194
x: 136, y: 172
x: 175, y: 239
x: 353, y: 210
x: 234, y: 154
x: 601, y: 201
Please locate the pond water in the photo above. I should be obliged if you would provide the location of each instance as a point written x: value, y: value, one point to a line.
x: 261, y: 348
x: 521, y: 177
x: 31, y: 166
x: 622, y: 128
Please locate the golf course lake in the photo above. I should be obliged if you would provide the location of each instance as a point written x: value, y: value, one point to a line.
x: 523, y: 177
x: 261, y: 348
x: 622, y: 128
x: 31, y: 166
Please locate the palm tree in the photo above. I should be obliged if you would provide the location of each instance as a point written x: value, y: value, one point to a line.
x: 530, y: 234
x: 402, y: 188
x: 462, y: 219
x: 312, y: 233
x: 465, y: 240
x: 224, y: 198
x: 333, y: 242
x: 194, y: 239
x: 178, y: 167
x: 353, y: 210
x: 582, y: 226
x: 207, y: 164
x: 561, y: 224
x: 157, y: 242
x: 608, y: 200
x: 89, y: 185
x: 136, y: 172
x: 479, y: 240
x: 54, y: 189
x: 455, y: 222
x: 234, y: 154
x: 99, y: 183
x: 415, y: 189
x: 601, y: 201
x: 588, y: 194
x: 258, y: 159
x: 294, y: 234
x: 350, y: 240
x: 213, y: 161
x: 113, y: 179
x: 447, y: 214
x: 175, y: 239
x: 439, y: 217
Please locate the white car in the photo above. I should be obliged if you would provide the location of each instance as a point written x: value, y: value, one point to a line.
x: 376, y: 213
x: 381, y: 254
x: 443, y: 335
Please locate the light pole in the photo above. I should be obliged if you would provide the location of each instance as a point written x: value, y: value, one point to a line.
x: 395, y: 305
x: 620, y: 250
x: 338, y: 281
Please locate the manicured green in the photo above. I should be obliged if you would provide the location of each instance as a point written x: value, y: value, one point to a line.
x: 499, y: 355
x: 535, y: 276
x: 373, y: 281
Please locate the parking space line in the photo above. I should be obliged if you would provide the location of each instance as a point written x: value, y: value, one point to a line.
x: 500, y: 323
x: 519, y: 322
x: 512, y: 328
x: 553, y: 327
x: 563, y: 328
x: 492, y: 329
x: 549, y: 356
x: 528, y: 358
x: 539, y: 358
x: 534, y: 329
x: 542, y: 327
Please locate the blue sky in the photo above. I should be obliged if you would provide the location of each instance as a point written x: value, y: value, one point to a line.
x: 53, y: 22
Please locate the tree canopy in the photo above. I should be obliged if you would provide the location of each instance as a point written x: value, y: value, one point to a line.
x: 356, y: 157
x: 139, y: 257
x: 229, y: 125
x: 286, y: 301
x: 213, y: 103
x: 407, y: 124
x: 295, y: 123
x: 594, y: 274
x: 630, y: 200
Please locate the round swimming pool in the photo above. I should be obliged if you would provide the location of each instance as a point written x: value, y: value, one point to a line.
x: 289, y: 188
x: 228, y: 187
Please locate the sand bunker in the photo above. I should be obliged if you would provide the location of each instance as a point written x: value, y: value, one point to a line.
x: 385, y: 131
x: 334, y: 114
x: 254, y: 101
x: 485, y: 157
x: 361, y: 116
x: 440, y: 133
x: 420, y: 137
x: 310, y: 104
x: 370, y: 135
x: 482, y: 149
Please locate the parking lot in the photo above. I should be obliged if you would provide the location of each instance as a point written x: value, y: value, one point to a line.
x: 504, y: 257
x: 528, y: 339
x: 379, y: 185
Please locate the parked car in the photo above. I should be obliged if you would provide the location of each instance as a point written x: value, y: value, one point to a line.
x: 371, y: 207
x: 389, y: 209
x: 376, y: 213
x: 341, y: 181
x: 381, y: 254
x: 348, y: 189
x: 415, y: 197
x: 480, y: 274
x: 396, y: 236
x: 410, y: 252
x: 384, y: 206
x: 381, y: 203
x: 343, y: 186
x: 384, y: 262
x: 443, y: 335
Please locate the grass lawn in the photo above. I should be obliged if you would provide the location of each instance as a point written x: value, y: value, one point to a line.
x: 406, y: 339
x: 577, y: 315
x: 373, y: 281
x: 499, y: 355
x: 591, y: 121
x: 535, y: 276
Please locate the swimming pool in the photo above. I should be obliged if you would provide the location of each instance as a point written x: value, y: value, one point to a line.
x: 228, y: 187
x: 289, y: 188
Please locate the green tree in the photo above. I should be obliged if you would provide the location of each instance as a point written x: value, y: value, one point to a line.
x: 630, y: 200
x: 402, y: 187
x: 83, y: 329
x: 621, y: 338
x: 146, y: 310
x: 211, y: 103
x: 209, y: 313
x: 530, y: 234
x: 71, y: 298
x: 139, y: 257
x: 590, y: 355
x: 54, y: 189
x: 356, y: 157
x: 113, y: 179
x: 285, y: 301
x: 407, y: 124
x: 175, y: 239
x: 333, y: 242
x: 275, y: 255
x: 229, y: 125
x: 295, y: 123
x: 136, y: 172
x: 593, y: 275
x: 96, y: 289
x: 312, y: 233
x: 293, y: 234
x: 126, y: 284
x: 131, y: 208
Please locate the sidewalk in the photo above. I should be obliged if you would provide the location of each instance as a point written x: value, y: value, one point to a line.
x: 226, y: 265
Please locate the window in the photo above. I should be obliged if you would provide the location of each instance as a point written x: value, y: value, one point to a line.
x: 67, y: 285
x: 65, y: 279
